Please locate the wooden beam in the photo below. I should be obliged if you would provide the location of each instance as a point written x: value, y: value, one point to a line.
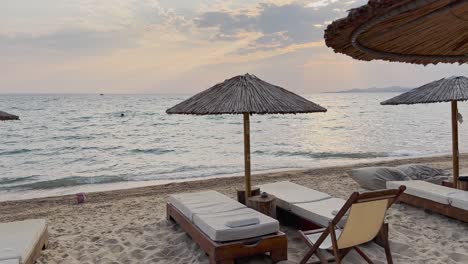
x: 443, y: 209
x: 455, y: 153
x: 247, y: 155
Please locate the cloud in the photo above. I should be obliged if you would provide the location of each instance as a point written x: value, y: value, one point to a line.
x: 76, y: 42
x: 163, y: 45
x: 88, y: 27
x: 321, y: 3
x: 84, y: 27
x: 278, y: 26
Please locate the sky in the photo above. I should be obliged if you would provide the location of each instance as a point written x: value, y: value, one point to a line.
x: 184, y: 46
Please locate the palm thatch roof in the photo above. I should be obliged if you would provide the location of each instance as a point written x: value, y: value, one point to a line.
x: 413, y: 31
x: 245, y: 94
x: 444, y: 90
x: 6, y: 116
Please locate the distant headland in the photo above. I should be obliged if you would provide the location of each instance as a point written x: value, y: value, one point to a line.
x: 391, y: 89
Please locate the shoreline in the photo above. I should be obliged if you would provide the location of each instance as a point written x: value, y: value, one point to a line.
x: 27, y: 194
x: 235, y: 178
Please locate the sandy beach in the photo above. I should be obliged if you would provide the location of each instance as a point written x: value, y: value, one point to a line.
x: 129, y: 226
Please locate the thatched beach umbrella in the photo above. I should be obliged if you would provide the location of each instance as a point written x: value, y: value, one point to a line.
x: 6, y: 116
x: 452, y: 90
x: 413, y: 31
x: 246, y: 95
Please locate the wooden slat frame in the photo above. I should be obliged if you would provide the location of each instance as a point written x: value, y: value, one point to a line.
x: 38, y: 247
x: 443, y: 209
x: 226, y: 253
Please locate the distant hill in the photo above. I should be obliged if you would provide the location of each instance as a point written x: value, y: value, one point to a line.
x: 391, y: 89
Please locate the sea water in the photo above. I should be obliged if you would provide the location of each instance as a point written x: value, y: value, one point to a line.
x: 69, y: 143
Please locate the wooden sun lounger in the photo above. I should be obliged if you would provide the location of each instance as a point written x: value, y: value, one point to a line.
x: 434, y: 205
x: 227, y: 252
x: 23, y: 241
x: 301, y: 207
x: 41, y: 245
x: 429, y: 205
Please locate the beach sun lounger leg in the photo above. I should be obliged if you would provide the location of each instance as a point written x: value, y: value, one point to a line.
x: 336, y: 251
x: 279, y: 255
x: 383, y: 241
x: 313, y: 247
x: 386, y: 243
x: 364, y: 256
x: 229, y: 261
x: 344, y: 252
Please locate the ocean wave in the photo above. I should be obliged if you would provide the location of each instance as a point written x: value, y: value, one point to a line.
x: 84, y: 118
x: 405, y: 153
x: 15, y: 151
x: 186, y: 168
x: 72, y: 181
x: 71, y: 138
x: 337, y: 155
x: 156, y: 151
x: 66, y: 182
x: 101, y: 148
x: 8, y: 180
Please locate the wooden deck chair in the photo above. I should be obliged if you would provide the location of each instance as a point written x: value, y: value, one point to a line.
x: 365, y: 213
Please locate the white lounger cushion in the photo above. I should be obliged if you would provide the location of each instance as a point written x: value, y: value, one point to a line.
x: 288, y: 193
x: 214, y: 225
x: 9, y: 254
x: 320, y: 212
x: 459, y: 199
x: 205, y: 202
x: 426, y: 190
x: 211, y: 211
x: 10, y: 261
x: 18, y: 239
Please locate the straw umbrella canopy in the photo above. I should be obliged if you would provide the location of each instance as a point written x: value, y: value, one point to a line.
x: 452, y: 90
x: 246, y: 95
x: 6, y: 116
x: 413, y: 31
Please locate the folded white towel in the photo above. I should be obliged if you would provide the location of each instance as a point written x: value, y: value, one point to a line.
x: 243, y: 222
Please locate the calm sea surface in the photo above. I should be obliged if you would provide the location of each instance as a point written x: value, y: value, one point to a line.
x: 69, y: 143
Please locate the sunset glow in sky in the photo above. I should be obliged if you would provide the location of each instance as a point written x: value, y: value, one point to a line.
x: 183, y: 46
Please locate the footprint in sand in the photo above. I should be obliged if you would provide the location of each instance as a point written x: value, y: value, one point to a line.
x: 150, y: 248
x: 112, y: 241
x: 138, y: 254
x: 116, y: 249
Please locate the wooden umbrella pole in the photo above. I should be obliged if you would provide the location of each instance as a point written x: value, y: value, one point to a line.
x: 456, y: 169
x: 247, y: 155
